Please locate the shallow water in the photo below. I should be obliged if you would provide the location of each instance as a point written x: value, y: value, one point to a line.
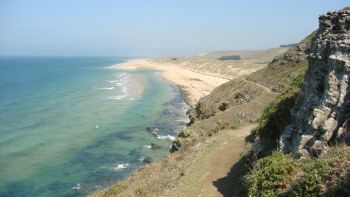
x: 72, y: 125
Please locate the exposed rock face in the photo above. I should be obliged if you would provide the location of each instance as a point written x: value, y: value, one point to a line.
x: 321, y: 114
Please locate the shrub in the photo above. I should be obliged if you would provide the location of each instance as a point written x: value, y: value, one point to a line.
x: 309, y: 185
x: 325, y: 176
x: 270, y: 175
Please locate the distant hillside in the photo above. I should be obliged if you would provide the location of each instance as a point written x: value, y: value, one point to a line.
x: 229, y: 57
x: 288, y: 45
x: 225, y: 64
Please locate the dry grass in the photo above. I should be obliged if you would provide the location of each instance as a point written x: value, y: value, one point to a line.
x: 153, y: 179
x: 209, y: 63
x: 179, y: 173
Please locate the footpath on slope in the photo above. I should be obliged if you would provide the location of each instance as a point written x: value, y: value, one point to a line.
x: 216, y: 170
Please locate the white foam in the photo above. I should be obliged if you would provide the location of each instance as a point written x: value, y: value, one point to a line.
x: 142, y: 158
x: 123, y: 75
x: 77, y: 187
x: 147, y: 146
x: 182, y: 121
x: 121, y: 166
x: 97, y: 126
x: 124, y: 90
x: 117, y: 97
x: 121, y: 83
x: 108, y: 88
x: 166, y: 137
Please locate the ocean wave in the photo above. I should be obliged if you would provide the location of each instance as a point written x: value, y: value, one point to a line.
x: 123, y: 75
x: 124, y: 90
x: 117, y: 97
x: 166, y: 137
x: 121, y: 166
x: 147, y: 146
x: 182, y: 121
x: 121, y: 83
x: 108, y: 88
x: 141, y: 158
x: 77, y: 187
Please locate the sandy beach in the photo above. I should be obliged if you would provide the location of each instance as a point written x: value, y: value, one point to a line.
x: 194, y: 85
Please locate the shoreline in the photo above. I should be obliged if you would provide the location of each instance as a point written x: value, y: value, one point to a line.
x: 192, y: 85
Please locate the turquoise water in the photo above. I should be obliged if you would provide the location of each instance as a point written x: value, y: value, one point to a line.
x: 70, y: 126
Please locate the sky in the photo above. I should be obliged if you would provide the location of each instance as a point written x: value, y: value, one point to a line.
x: 146, y: 28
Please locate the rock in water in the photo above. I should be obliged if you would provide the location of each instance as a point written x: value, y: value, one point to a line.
x: 147, y: 160
x: 155, y: 146
x: 154, y: 131
x: 321, y: 114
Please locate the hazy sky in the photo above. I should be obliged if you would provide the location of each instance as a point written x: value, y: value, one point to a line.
x: 154, y: 27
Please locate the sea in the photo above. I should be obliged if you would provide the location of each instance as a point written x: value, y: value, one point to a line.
x: 72, y: 125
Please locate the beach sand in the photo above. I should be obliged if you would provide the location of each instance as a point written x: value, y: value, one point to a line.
x: 194, y: 85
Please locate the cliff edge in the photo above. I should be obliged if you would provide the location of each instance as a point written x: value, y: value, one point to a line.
x: 321, y: 115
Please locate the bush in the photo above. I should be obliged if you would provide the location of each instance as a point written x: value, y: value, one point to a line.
x: 326, y: 176
x: 309, y: 185
x: 271, y: 175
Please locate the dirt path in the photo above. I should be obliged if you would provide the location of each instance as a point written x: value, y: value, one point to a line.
x: 215, y: 170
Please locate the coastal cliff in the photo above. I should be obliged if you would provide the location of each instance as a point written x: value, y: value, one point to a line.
x: 303, y: 136
x: 321, y: 114
x: 317, y: 115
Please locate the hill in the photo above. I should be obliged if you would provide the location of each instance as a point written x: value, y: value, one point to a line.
x: 211, y: 63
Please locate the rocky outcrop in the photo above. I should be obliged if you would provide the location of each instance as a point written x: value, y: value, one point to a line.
x: 321, y: 115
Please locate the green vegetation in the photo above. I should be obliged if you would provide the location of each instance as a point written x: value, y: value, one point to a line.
x: 287, y: 45
x: 276, y: 116
x: 326, y: 175
x: 271, y: 175
x: 116, y: 189
x: 280, y: 175
x: 310, y: 183
x: 230, y: 57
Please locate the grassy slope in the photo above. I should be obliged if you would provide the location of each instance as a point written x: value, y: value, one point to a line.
x: 194, y: 171
x: 241, y: 101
